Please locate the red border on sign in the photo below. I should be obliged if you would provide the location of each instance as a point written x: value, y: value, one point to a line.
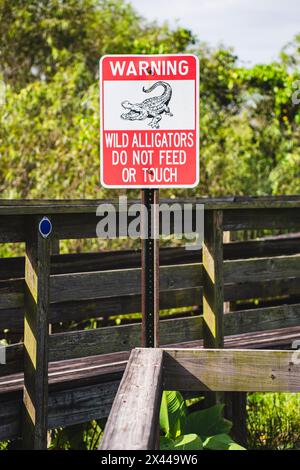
x: 191, y: 59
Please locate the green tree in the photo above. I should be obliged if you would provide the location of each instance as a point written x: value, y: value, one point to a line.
x: 37, y: 37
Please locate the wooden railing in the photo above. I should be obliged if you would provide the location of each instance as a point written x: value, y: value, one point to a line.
x: 45, y: 288
x: 133, y: 422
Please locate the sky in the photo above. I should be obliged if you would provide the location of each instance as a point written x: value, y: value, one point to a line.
x: 256, y: 29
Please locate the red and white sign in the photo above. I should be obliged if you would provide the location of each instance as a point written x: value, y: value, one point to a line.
x: 149, y: 121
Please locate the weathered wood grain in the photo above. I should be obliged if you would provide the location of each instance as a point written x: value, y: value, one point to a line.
x: 133, y: 420
x: 119, y: 338
x: 35, y: 397
x: 261, y: 218
x: 108, y: 340
x: 213, y: 282
x: 262, y: 319
x: 66, y: 407
x: 231, y: 370
x: 70, y: 376
x: 74, y: 300
x: 288, y: 244
x: 77, y: 219
x: 82, y: 286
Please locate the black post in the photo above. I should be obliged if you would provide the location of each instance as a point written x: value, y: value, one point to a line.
x: 150, y: 268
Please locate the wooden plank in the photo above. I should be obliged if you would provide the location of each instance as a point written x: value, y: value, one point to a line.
x: 82, y: 404
x: 231, y: 370
x: 35, y: 398
x: 251, y: 276
x: 281, y: 289
x: 14, y: 359
x: 125, y: 337
x: 82, y: 286
x: 119, y: 338
x: 258, y: 218
x: 289, y: 244
x: 77, y: 219
x: 262, y: 319
x: 69, y: 376
x: 80, y: 310
x: 281, y: 338
x: 133, y: 421
x: 213, y: 294
x: 77, y: 206
x: 261, y: 269
x: 66, y: 407
x: 12, y: 228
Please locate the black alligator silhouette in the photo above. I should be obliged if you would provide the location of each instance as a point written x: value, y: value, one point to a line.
x: 151, y: 107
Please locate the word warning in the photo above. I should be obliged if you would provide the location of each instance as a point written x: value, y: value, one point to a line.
x: 149, y: 121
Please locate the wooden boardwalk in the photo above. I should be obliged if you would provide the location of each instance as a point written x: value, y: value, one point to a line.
x: 85, y: 366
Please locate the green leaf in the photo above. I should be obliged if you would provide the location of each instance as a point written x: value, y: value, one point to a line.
x: 165, y: 443
x: 221, y: 442
x: 188, y: 442
x: 208, y: 422
x: 172, y: 414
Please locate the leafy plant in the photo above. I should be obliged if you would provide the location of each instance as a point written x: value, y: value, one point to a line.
x: 199, y: 430
x: 273, y: 421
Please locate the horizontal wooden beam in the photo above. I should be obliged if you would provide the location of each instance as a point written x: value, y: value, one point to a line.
x: 76, y: 206
x: 122, y: 282
x: 262, y: 319
x: 120, y: 338
x: 280, y: 289
x: 66, y: 407
x: 74, y: 344
x: 231, y: 370
x: 14, y: 267
x: 133, y: 420
x: 260, y: 218
x: 77, y: 219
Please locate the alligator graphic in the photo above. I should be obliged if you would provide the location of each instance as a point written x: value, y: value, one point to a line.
x: 151, y: 107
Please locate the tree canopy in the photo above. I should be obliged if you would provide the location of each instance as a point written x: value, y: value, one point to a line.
x: 49, y: 132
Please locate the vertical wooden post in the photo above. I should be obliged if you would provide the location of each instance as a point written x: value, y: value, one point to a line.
x: 150, y: 268
x: 55, y: 246
x: 235, y: 402
x: 37, y: 275
x: 213, y: 309
x: 227, y: 239
x: 236, y: 411
x: 213, y: 290
x: 54, y: 250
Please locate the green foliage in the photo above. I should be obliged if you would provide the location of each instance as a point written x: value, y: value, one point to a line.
x: 39, y: 37
x: 172, y: 414
x: 185, y: 442
x: 183, y: 430
x: 80, y: 436
x: 273, y: 421
x: 207, y: 422
x: 49, y: 132
x: 221, y: 442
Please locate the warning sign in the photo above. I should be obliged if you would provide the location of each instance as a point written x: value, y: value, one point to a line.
x: 149, y: 121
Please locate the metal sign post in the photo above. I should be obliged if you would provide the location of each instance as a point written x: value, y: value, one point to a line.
x: 150, y: 268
